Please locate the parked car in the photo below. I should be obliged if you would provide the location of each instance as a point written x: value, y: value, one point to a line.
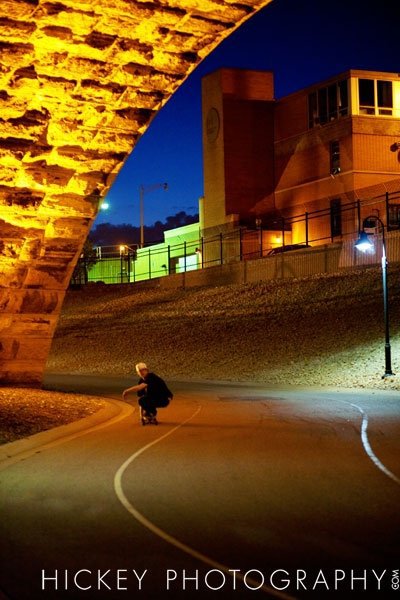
x: 288, y: 248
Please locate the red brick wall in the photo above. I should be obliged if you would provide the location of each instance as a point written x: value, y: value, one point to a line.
x: 305, y: 158
x: 372, y: 138
x: 267, y: 158
x: 247, y: 85
x: 291, y: 116
x: 249, y: 153
x: 238, y: 163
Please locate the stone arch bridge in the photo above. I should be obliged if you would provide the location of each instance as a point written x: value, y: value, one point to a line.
x: 80, y: 81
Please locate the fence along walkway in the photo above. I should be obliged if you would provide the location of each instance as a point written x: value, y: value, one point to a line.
x: 313, y: 228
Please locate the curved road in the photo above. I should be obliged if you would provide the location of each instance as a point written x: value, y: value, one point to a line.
x: 240, y: 492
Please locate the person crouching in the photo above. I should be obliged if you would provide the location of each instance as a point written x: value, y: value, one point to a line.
x: 152, y: 392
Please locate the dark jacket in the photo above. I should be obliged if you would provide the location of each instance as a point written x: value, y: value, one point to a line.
x: 156, y: 389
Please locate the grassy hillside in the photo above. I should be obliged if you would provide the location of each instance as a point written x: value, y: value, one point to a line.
x: 323, y: 330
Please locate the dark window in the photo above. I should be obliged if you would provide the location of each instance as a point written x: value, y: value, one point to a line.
x: 312, y: 110
x: 322, y: 105
x: 366, y: 96
x: 336, y: 218
x: 394, y: 216
x: 335, y: 157
x: 332, y: 102
x: 375, y: 97
x: 343, y: 98
x: 328, y: 103
x: 385, y: 97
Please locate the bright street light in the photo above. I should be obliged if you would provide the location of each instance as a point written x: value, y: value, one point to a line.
x: 125, y: 248
x: 364, y: 244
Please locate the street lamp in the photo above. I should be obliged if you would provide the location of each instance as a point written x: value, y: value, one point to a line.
x: 364, y: 244
x: 142, y: 191
x: 126, y: 249
x: 126, y: 253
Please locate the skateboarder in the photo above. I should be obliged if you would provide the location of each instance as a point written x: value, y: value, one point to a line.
x: 152, y: 393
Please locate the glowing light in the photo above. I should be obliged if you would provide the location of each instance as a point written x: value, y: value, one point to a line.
x: 104, y: 205
x: 364, y: 244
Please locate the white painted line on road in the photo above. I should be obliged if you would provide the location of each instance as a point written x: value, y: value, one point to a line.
x: 166, y: 536
x: 367, y: 445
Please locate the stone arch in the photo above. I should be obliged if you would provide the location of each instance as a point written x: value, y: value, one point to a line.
x: 80, y: 82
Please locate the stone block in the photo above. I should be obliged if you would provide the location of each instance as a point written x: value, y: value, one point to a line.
x: 71, y: 205
x: 23, y: 301
x: 12, y: 274
x: 22, y: 372
x: 47, y: 276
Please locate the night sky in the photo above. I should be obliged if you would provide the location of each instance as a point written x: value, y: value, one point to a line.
x: 302, y: 41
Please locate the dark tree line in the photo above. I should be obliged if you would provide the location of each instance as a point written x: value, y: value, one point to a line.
x: 106, y: 234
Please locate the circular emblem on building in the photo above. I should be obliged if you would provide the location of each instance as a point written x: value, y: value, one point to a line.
x: 212, y: 124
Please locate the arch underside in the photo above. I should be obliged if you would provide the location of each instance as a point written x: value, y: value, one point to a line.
x: 80, y: 81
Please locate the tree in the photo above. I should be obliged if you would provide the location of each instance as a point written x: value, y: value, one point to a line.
x: 87, y: 259
x: 107, y: 234
x: 179, y: 220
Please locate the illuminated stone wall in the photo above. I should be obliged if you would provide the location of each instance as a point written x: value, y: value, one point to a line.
x: 80, y: 81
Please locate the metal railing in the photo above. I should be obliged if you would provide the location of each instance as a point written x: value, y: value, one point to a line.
x: 327, y: 225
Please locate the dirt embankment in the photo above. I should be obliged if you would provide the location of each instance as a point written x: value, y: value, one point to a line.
x: 24, y: 411
x: 325, y: 330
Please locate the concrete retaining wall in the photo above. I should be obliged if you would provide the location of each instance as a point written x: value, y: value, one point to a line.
x: 323, y: 259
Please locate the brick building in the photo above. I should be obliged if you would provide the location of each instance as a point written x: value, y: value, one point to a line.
x: 317, y: 149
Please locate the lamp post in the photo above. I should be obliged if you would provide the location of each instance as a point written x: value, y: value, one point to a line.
x: 126, y: 253
x: 364, y: 244
x: 142, y: 191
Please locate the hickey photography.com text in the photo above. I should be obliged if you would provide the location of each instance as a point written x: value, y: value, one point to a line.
x: 352, y: 580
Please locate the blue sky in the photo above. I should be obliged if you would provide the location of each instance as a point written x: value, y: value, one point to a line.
x: 302, y: 41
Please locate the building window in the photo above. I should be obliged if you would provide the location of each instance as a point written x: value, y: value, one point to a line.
x: 375, y: 97
x: 335, y: 157
x: 328, y: 103
x: 343, y: 98
x: 366, y: 96
x: 312, y: 110
x: 394, y: 216
x: 332, y: 102
x: 385, y: 97
x: 322, y: 106
x: 336, y: 218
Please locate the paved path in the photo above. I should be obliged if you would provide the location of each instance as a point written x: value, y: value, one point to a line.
x: 265, y: 482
